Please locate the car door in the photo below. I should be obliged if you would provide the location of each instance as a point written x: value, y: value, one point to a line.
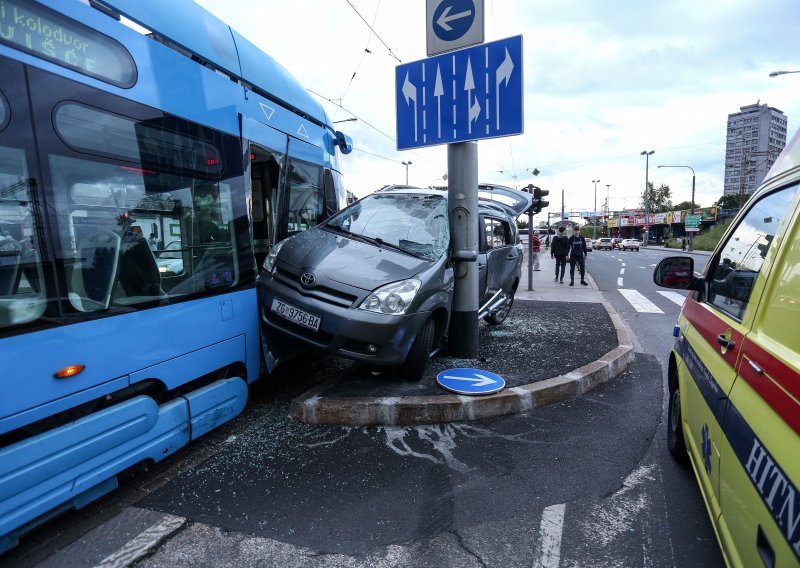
x: 514, y: 202
x: 499, y: 260
x: 760, y: 461
x: 714, y: 335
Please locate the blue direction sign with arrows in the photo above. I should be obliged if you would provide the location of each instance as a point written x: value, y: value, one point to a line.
x: 470, y: 381
x: 470, y: 94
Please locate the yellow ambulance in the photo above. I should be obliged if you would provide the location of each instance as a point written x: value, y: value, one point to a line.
x: 734, y: 373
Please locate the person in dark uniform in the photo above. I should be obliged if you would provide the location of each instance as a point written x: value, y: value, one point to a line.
x: 577, y: 255
x: 559, y: 249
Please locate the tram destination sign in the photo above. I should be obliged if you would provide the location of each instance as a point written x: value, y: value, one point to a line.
x: 33, y: 28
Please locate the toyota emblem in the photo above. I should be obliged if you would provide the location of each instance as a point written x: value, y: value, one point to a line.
x: 308, y: 279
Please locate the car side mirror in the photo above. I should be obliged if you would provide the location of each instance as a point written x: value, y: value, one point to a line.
x: 677, y: 272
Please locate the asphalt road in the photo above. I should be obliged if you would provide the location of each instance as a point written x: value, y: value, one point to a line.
x: 616, y: 272
x: 586, y: 482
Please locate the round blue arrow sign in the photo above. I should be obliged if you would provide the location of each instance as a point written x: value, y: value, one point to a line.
x: 470, y: 381
x: 453, y: 18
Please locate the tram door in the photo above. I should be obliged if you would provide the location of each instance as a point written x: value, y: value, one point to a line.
x: 266, y: 174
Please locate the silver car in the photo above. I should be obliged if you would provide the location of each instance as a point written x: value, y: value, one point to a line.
x: 375, y: 282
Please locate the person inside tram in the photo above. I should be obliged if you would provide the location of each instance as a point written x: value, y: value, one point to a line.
x: 207, y: 207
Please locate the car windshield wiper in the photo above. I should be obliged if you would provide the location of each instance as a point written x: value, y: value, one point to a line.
x: 337, y: 229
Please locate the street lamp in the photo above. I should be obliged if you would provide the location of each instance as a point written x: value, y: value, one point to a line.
x: 691, y: 236
x: 406, y: 164
x: 594, y: 213
x: 776, y: 73
x: 608, y: 208
x: 646, y: 155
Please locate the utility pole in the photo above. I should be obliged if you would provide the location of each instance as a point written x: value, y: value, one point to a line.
x: 647, y: 155
x: 594, y: 213
x: 462, y: 202
x: 562, y: 203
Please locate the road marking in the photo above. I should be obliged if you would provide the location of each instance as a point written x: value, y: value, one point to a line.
x: 622, y: 271
x: 639, y: 302
x: 652, y: 266
x: 138, y: 546
x: 623, y: 264
x: 550, y: 529
x: 619, y: 282
x: 642, y: 267
x: 676, y: 297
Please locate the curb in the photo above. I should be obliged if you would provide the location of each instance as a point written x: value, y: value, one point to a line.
x: 311, y: 408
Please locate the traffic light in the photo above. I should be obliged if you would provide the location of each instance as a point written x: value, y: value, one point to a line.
x: 539, y: 203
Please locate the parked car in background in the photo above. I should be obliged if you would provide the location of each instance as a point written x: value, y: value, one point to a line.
x: 589, y: 245
x: 375, y: 282
x: 604, y: 243
x: 630, y: 244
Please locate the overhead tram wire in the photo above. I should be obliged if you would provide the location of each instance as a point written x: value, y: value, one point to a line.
x: 375, y: 128
x: 391, y: 53
x: 363, y: 54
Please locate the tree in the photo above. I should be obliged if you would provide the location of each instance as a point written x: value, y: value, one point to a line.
x: 659, y: 199
x: 684, y: 205
x: 522, y: 224
x: 728, y: 201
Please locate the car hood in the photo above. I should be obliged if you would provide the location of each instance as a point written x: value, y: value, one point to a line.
x: 334, y: 258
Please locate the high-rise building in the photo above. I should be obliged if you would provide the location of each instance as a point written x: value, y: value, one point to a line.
x: 756, y: 135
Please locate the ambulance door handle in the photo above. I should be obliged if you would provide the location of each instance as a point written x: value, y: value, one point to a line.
x: 725, y: 342
x: 755, y: 367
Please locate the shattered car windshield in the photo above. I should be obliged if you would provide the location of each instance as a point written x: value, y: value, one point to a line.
x: 413, y: 223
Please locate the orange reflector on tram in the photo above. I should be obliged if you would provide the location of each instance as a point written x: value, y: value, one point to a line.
x: 69, y: 371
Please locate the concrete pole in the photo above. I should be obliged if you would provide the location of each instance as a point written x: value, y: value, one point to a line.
x: 462, y: 200
x: 691, y: 235
x: 530, y: 252
x: 647, y: 155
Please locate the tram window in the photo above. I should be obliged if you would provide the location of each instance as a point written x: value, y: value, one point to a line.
x: 305, y: 196
x: 114, y: 223
x: 102, y: 133
x: 22, y: 293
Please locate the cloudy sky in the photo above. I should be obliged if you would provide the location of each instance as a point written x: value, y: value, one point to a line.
x: 603, y: 81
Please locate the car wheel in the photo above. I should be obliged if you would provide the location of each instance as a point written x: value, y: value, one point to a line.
x: 675, y: 441
x: 500, y: 315
x: 419, y: 354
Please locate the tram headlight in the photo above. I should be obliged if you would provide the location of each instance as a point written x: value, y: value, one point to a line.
x: 394, y: 298
x: 269, y: 262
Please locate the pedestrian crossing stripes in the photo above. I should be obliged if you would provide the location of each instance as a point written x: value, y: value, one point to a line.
x: 676, y: 297
x: 639, y: 302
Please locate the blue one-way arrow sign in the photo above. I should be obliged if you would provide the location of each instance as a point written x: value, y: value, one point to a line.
x: 469, y: 94
x: 470, y: 381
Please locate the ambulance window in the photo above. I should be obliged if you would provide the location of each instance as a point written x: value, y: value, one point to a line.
x: 738, y: 264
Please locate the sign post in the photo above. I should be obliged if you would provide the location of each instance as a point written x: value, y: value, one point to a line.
x: 457, y: 98
x: 462, y: 204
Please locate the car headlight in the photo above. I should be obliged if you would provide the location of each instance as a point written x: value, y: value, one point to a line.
x: 393, y: 298
x: 269, y: 262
